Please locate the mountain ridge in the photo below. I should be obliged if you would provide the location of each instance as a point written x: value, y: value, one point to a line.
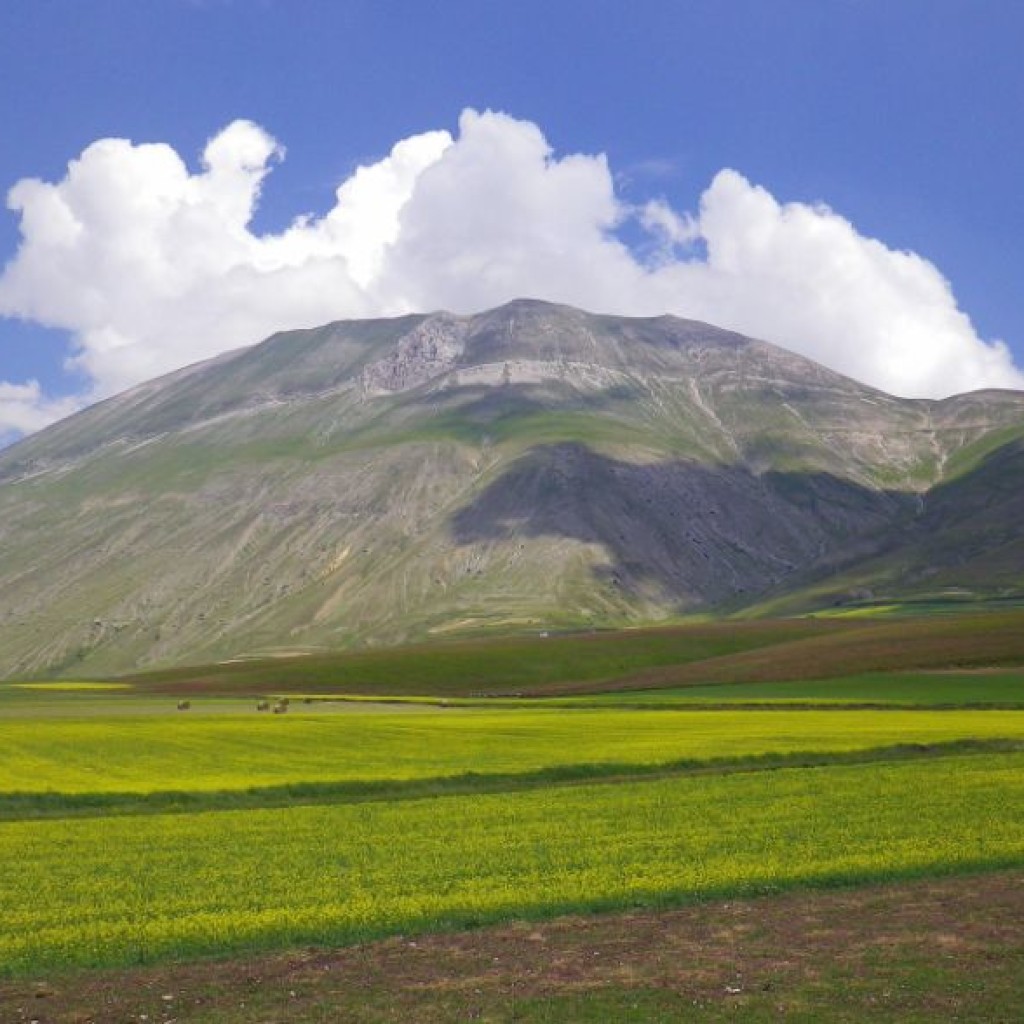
x: 529, y: 467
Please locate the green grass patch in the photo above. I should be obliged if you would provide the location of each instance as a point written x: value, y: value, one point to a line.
x: 867, y: 611
x: 972, y: 456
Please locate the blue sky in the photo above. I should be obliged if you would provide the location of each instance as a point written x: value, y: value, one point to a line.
x: 903, y: 117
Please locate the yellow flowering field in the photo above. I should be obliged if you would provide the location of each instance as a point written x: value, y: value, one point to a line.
x: 189, y: 752
x: 112, y: 890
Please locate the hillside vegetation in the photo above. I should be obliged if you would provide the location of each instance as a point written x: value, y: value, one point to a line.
x: 655, y: 659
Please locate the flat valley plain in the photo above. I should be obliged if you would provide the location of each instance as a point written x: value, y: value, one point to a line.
x: 520, y: 830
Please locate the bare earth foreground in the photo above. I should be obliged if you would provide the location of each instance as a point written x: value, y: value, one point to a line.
x: 939, y: 950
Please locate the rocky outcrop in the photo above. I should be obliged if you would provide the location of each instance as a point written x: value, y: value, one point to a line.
x: 430, y: 349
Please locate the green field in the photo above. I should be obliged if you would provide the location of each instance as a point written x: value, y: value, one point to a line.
x: 692, y: 654
x: 501, y: 665
x: 133, y: 832
x: 948, y: 688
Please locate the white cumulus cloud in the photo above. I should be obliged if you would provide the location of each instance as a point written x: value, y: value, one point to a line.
x: 150, y: 265
x: 24, y: 409
x: 802, y: 276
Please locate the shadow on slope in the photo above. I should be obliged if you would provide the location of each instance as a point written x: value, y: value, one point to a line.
x: 969, y: 534
x: 693, y: 533
x: 964, y: 546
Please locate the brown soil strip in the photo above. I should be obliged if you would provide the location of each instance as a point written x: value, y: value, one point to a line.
x: 927, y: 950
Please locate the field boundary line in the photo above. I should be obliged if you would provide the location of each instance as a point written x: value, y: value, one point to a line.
x: 27, y: 806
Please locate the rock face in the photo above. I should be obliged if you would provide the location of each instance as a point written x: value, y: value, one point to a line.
x: 429, y: 350
x: 534, y: 466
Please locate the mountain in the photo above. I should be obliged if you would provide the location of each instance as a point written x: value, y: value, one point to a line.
x: 531, y: 467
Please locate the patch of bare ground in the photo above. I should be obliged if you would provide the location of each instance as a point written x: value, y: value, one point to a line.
x: 937, y: 950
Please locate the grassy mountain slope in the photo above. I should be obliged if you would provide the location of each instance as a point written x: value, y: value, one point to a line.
x: 533, y: 467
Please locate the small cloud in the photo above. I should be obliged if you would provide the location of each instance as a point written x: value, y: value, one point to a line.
x: 670, y: 229
x: 654, y: 169
x: 24, y: 409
